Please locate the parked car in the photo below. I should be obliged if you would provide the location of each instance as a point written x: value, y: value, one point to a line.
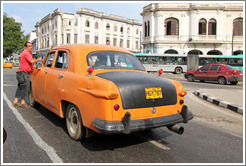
x: 7, y: 64
x: 106, y: 89
x: 215, y: 72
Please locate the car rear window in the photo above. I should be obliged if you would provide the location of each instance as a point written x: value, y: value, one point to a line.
x: 230, y: 67
x: 113, y: 60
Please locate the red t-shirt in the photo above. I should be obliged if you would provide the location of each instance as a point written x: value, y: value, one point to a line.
x: 25, y: 62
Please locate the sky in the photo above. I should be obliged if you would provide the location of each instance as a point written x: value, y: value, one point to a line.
x: 30, y: 12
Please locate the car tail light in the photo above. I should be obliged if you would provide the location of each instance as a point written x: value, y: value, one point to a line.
x: 183, y: 93
x: 160, y: 72
x: 234, y: 73
x: 181, y: 102
x: 116, y: 107
x: 90, y: 69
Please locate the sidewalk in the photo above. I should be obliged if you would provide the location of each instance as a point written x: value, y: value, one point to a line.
x: 232, y: 100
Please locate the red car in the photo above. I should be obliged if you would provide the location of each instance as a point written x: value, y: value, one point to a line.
x: 215, y: 72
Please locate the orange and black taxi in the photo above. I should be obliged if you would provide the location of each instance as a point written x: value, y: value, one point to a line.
x: 105, y: 89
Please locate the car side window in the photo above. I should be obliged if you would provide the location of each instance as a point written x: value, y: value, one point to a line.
x: 215, y: 68
x: 49, y: 59
x: 61, y: 60
x: 204, y: 68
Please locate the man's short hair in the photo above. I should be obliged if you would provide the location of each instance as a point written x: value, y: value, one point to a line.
x: 26, y: 43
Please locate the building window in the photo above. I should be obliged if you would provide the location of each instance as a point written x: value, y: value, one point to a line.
x: 128, y: 43
x: 137, y: 31
x: 87, y: 38
x: 145, y: 29
x: 96, y: 25
x: 107, y: 27
x: 96, y: 39
x: 75, y: 38
x: 121, y: 29
x: 68, y: 38
x: 76, y: 22
x: 121, y: 42
x: 87, y: 23
x: 238, y: 27
x: 107, y: 41
x: 128, y: 30
x: 115, y: 28
x: 114, y: 42
x: 136, y: 44
x: 69, y: 23
x: 172, y: 26
x: 148, y: 29
x: 212, y: 27
x: 202, y: 26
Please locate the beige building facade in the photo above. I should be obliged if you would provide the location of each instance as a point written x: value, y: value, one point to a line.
x: 193, y: 28
x: 87, y: 26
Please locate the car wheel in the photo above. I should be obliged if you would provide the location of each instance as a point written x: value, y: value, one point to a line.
x: 234, y: 82
x: 33, y: 103
x: 222, y: 80
x: 190, y: 78
x: 75, y: 127
x: 178, y: 70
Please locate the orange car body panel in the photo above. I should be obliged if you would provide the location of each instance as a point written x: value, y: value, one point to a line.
x: 94, y: 96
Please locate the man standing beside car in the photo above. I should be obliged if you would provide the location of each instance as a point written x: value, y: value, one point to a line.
x: 23, y: 76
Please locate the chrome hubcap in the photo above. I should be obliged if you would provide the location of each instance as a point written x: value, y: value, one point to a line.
x: 73, y: 120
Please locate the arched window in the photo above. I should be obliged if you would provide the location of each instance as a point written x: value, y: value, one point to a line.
x: 212, y: 27
x: 238, y: 27
x: 237, y: 52
x: 107, y: 27
x: 96, y: 25
x: 115, y: 28
x: 121, y: 29
x: 87, y: 23
x: 128, y: 30
x: 214, y: 52
x: 172, y: 26
x: 195, y: 52
x: 202, y: 26
x: 171, y: 51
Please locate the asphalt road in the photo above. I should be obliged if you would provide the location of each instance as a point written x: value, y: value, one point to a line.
x: 38, y: 136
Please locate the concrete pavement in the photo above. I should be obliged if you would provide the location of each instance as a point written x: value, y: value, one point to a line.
x: 232, y: 100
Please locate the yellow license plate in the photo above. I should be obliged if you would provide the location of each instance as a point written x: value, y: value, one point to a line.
x: 153, y: 93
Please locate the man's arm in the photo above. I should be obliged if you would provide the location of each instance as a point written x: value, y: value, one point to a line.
x: 36, y: 60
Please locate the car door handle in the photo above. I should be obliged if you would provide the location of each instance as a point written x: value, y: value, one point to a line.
x: 46, y: 72
x: 61, y: 75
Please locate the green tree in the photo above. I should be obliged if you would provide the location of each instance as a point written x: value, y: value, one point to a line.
x: 13, y: 38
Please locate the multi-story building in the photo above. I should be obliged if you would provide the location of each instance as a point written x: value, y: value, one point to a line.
x: 87, y: 26
x: 193, y: 28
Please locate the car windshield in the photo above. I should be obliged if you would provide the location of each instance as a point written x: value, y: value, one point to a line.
x: 230, y: 67
x: 113, y: 60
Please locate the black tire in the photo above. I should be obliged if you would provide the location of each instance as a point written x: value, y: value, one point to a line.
x: 190, y: 78
x: 74, y: 123
x: 178, y: 70
x: 222, y: 80
x: 234, y: 82
x: 33, y: 103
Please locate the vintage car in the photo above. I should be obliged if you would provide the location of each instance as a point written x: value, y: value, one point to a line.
x: 7, y: 64
x: 106, y: 89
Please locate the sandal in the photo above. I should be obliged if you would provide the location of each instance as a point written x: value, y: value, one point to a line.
x: 17, y: 104
x: 25, y: 105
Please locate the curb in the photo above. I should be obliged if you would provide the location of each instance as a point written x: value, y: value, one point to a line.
x: 218, y: 102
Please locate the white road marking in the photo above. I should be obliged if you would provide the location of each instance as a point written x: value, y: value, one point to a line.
x: 37, y: 139
x: 8, y: 85
x: 154, y: 142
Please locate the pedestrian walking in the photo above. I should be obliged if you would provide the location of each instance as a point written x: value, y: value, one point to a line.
x: 23, y: 77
